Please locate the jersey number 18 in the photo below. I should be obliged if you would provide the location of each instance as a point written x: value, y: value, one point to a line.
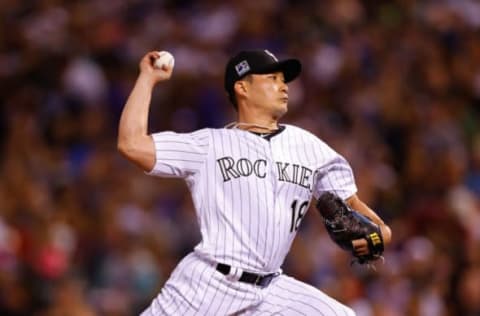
x: 297, y: 214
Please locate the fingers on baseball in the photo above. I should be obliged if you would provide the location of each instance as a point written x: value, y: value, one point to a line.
x: 147, y: 61
x: 151, y: 58
x: 164, y: 68
x: 162, y: 73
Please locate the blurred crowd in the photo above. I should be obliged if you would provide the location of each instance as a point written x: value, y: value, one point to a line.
x: 394, y: 86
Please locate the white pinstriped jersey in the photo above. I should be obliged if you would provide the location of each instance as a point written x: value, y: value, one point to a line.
x: 250, y: 193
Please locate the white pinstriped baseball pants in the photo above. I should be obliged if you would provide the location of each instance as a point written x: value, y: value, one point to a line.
x: 197, y: 288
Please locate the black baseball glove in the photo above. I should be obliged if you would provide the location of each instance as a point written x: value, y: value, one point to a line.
x: 344, y: 225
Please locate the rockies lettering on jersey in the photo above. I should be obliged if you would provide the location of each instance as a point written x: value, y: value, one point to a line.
x: 289, y: 173
x: 286, y: 172
x: 243, y: 167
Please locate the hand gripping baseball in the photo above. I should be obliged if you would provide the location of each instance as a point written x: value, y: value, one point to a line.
x: 157, y: 66
x: 344, y: 225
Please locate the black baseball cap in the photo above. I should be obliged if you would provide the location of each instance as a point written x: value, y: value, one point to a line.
x: 258, y: 62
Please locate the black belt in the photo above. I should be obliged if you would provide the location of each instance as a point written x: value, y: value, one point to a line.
x: 248, y: 277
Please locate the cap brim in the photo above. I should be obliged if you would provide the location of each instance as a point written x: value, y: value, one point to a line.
x: 291, y: 68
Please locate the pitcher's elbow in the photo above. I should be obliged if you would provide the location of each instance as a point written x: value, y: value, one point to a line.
x: 124, y: 148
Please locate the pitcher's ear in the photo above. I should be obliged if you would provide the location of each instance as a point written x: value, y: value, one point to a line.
x: 240, y: 87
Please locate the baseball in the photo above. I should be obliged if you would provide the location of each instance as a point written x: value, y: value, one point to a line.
x: 165, y: 59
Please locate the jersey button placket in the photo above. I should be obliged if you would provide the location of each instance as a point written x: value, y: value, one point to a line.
x: 271, y: 184
x: 273, y: 174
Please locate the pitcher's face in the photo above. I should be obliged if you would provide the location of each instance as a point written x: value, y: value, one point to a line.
x: 269, y: 92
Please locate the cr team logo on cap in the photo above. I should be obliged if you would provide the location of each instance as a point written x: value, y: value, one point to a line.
x: 242, y: 68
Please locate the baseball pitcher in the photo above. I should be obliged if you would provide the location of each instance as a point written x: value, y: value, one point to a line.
x: 251, y: 184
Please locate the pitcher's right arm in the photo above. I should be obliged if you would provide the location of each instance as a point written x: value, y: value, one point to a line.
x: 134, y: 142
